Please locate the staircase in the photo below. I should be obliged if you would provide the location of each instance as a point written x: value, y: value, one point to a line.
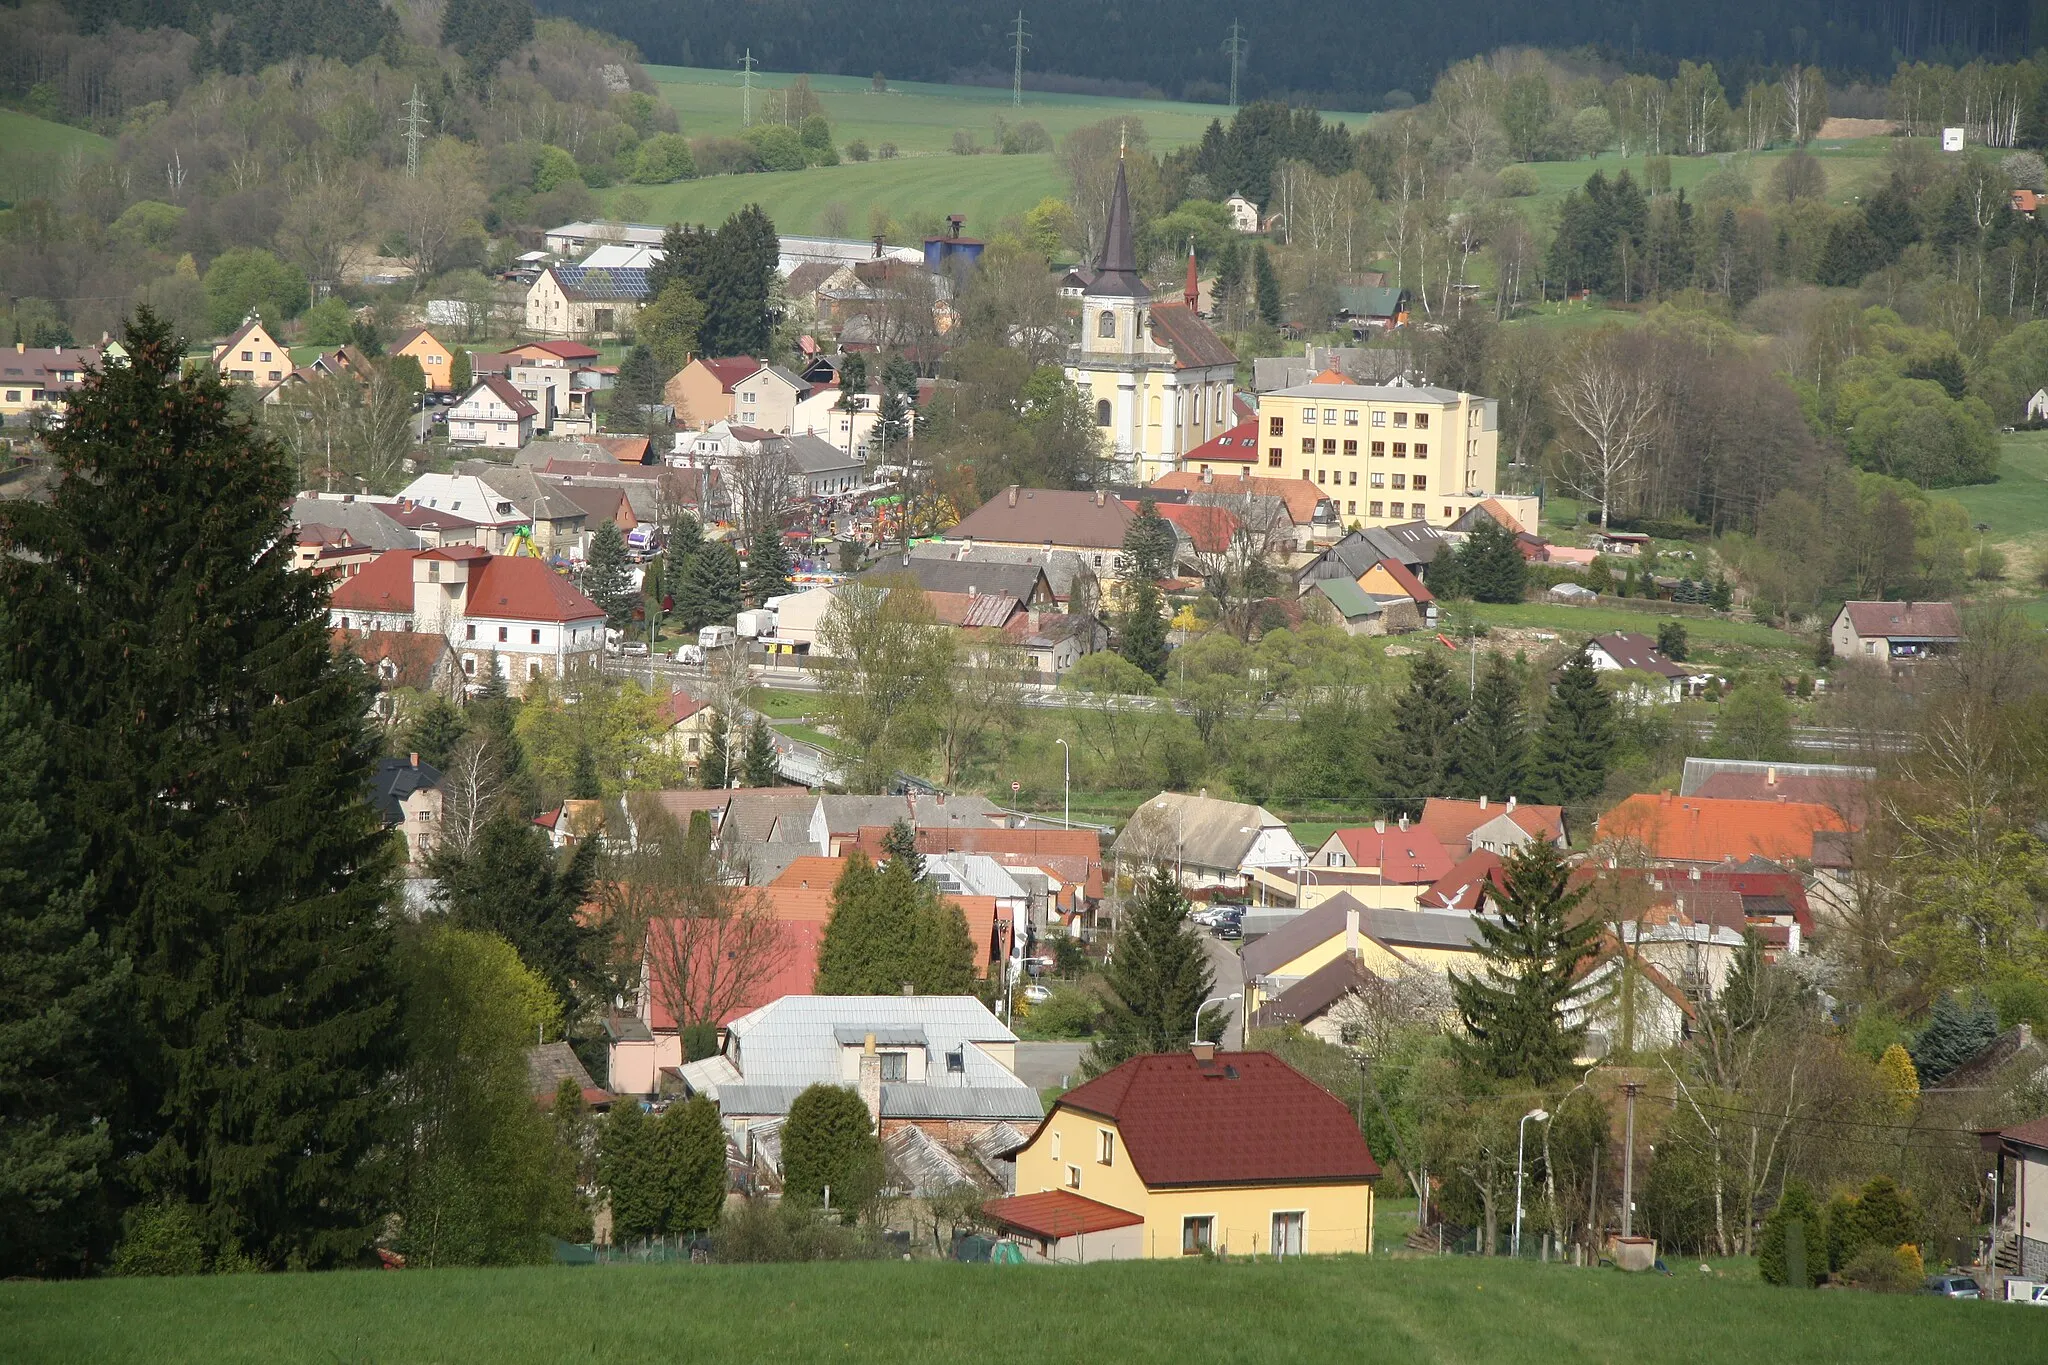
x: 2005, y: 1252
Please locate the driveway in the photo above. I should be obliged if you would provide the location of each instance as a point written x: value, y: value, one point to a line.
x: 1042, y: 1066
x: 1229, y: 971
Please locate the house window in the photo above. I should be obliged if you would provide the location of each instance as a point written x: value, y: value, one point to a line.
x: 1422, y: 421
x: 1329, y: 447
x: 1353, y: 478
x: 1102, y: 413
x: 1197, y: 1235
x: 469, y: 665
x: 469, y: 631
x: 1287, y: 1233
x: 1351, y: 417
x: 536, y: 637
x: 1400, y: 419
x: 1105, y: 1147
x: 1105, y: 325
x: 1273, y: 458
x: 504, y: 635
x: 895, y: 1067
x: 1379, y: 419
x: 1421, y: 450
x: 1319, y: 476
x: 1400, y: 481
x: 1376, y: 480
x: 533, y: 671
x: 1421, y: 483
x: 248, y: 355
x: 1350, y: 509
x: 1400, y: 450
x: 1056, y: 1144
x: 1329, y: 417
x: 433, y: 571
x: 1394, y: 509
x: 1276, y: 426
x: 1372, y: 509
x: 1073, y: 1177
x: 956, y: 1062
x: 1379, y: 450
x: 1351, y: 450
x: 1308, y: 416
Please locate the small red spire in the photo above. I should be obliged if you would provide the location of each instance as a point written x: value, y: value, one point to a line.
x: 1193, y: 294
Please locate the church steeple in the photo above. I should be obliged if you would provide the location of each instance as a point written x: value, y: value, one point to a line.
x: 1116, y: 271
x: 1191, y: 295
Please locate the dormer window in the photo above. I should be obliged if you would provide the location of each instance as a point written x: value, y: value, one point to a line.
x: 895, y: 1067
x: 1106, y: 324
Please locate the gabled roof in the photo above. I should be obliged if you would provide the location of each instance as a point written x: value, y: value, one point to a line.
x: 411, y: 657
x: 567, y: 350
x: 501, y: 388
x: 1352, y: 602
x: 1300, y: 496
x: 1639, y: 652
x: 1239, y: 1118
x: 1314, y: 993
x: 816, y: 455
x: 383, y: 587
x: 1452, y: 820
x: 1905, y: 620
x: 1201, y: 830
x: 1058, y: 1214
x: 1209, y: 529
x: 1239, y: 445
x: 628, y: 283
x: 730, y: 371
x: 986, y: 576
x: 973, y: 611
x: 1710, y: 830
x: 412, y: 334
x: 1406, y: 581
x: 513, y: 587
x: 1056, y: 516
x: 1405, y: 857
x: 1464, y: 886
x: 1393, y: 929
x: 1194, y: 342
x: 395, y: 779
x: 252, y: 323
x: 1073, y: 855
x: 680, y: 706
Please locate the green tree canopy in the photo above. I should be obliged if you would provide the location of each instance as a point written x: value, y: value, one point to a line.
x: 608, y: 575
x: 1492, y: 741
x: 1575, y: 745
x: 711, y: 587
x: 1513, y: 1005
x: 1157, y: 975
x: 246, y: 279
x: 512, y: 883
x: 829, y: 1146
x: 1418, y: 752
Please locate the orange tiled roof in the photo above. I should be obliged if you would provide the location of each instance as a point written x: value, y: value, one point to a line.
x: 1714, y: 829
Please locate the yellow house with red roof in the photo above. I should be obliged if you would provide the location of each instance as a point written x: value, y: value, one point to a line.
x: 1191, y: 1153
x: 436, y: 359
x: 252, y: 356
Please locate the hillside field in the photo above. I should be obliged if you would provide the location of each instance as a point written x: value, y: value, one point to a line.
x: 1422, y: 1309
x: 34, y: 153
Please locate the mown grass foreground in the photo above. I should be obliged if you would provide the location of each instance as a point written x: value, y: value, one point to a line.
x: 1451, y: 1309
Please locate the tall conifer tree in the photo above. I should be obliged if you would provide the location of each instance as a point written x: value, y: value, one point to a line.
x: 1513, y: 1007
x: 1158, y: 976
x: 1418, y: 753
x: 608, y: 577
x: 711, y: 588
x: 1141, y: 637
x: 1493, y: 740
x: 768, y: 566
x: 1576, y: 743
x: 209, y: 754
x: 762, y: 765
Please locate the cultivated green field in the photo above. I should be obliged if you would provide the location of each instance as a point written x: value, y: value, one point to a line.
x: 1568, y: 620
x: 1453, y: 1309
x: 2015, y: 507
x: 921, y: 118
x: 912, y: 191
x: 1851, y: 164
x: 35, y: 154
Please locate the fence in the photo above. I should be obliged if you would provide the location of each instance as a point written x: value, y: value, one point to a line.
x: 668, y: 1250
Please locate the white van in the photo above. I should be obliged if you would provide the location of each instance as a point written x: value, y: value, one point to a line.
x: 716, y: 637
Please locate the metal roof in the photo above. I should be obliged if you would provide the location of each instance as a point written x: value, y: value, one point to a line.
x: 1410, y: 394
x: 887, y: 1037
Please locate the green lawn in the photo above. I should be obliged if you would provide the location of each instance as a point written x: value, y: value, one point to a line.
x: 2016, y: 507
x: 34, y: 153
x: 1595, y: 620
x: 1851, y: 164
x: 779, y: 705
x: 1309, y: 1309
x: 922, y: 118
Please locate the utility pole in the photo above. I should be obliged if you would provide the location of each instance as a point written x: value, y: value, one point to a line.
x: 1018, y: 33
x: 1628, y: 1163
x: 747, y: 90
x: 1236, y: 47
x: 414, y: 107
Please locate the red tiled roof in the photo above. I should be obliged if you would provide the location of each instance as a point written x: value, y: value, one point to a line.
x: 1404, y: 857
x: 1057, y: 1214
x: 508, y: 395
x: 680, y: 706
x: 1452, y: 821
x: 1463, y: 887
x: 731, y: 370
x: 1239, y: 445
x: 1194, y: 342
x: 812, y: 872
x: 1300, y: 495
x: 795, y: 968
x: 1244, y: 1118
x: 416, y: 655
x: 414, y: 517
x: 384, y: 585
x: 516, y: 588
x: 1850, y: 796
x: 1710, y: 830
x: 567, y: 350
x: 1209, y: 528
x: 1905, y: 620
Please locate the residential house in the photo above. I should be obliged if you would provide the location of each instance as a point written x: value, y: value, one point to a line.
x: 1369, y: 308
x: 1387, y: 942
x: 1497, y: 827
x: 1090, y: 524
x: 938, y: 1063
x: 1311, y: 516
x: 820, y: 412
x: 342, y: 360
x: 329, y: 551
x: 406, y: 793
x: 2020, y: 1229
x: 496, y: 520
x: 1628, y: 652
x: 1244, y: 214
x: 1464, y: 886
x: 571, y: 301
x: 1414, y: 545
x: 1051, y: 643
x: 597, y: 502
x: 826, y: 470
x: 402, y: 659
x: 1627, y: 1003
x: 555, y: 523
x: 436, y: 359
x: 735, y: 389
x: 1390, y: 454
x: 1192, y: 1154
x: 1236, y: 449
x: 252, y: 356
x: 1076, y: 587
x: 508, y: 607
x: 41, y: 378
x: 1157, y: 377
x: 387, y: 523
x: 1705, y: 829
x: 687, y: 729
x: 1061, y: 869
x: 1399, y: 859
x: 1311, y: 1004
x: 493, y: 414
x: 1845, y: 787
x: 1025, y: 583
x: 549, y: 1064
x: 1209, y: 843
x: 1896, y: 632
x: 1358, y: 612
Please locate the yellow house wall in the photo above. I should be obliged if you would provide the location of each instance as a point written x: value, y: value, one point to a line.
x: 1460, y: 465
x: 1337, y: 1217
x: 256, y: 370
x: 434, y: 358
x: 1384, y: 896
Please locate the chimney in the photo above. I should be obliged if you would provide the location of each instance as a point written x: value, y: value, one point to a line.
x: 414, y: 759
x: 1404, y: 823
x: 1664, y: 797
x: 1511, y: 803
x: 1695, y: 874
x: 870, y: 1084
x: 1379, y: 827
x: 1099, y: 496
x: 1771, y: 776
x: 1013, y: 495
x: 1204, y: 1052
x: 1482, y: 803
x: 878, y: 246
x: 942, y: 799
x: 1351, y: 931
x: 1031, y: 620
x: 973, y: 591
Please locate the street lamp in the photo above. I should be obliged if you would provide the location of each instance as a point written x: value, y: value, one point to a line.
x: 1067, y: 778
x: 1213, y: 1000
x: 1521, y: 1132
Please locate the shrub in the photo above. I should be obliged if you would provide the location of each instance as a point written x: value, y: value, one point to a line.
x: 857, y: 150
x: 1796, y: 1206
x: 552, y: 169
x: 776, y: 147
x: 1518, y: 182
x: 760, y: 1232
x: 963, y: 143
x: 723, y: 156
x: 887, y: 151
x: 664, y: 159
x: 829, y: 1143
x: 1886, y: 1270
x: 161, y: 1239
x: 1070, y: 1012
x: 328, y: 323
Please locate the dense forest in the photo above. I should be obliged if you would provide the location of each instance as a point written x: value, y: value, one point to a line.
x: 1362, y: 57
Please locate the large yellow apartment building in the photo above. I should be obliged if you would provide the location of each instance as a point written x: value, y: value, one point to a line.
x: 1383, y: 453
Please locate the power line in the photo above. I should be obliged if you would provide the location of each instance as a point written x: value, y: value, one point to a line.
x: 747, y: 90
x: 1018, y: 33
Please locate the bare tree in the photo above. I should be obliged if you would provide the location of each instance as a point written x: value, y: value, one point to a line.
x: 322, y: 229
x: 985, y: 699
x: 1238, y: 553
x: 472, y: 788
x: 764, y: 483
x: 436, y: 211
x: 1609, y: 411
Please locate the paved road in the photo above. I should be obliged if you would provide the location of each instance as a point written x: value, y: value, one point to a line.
x: 1045, y: 1065
x: 1223, y: 961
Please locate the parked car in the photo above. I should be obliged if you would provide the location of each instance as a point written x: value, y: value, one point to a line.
x: 1035, y: 994
x: 638, y: 648
x: 1228, y: 929
x: 1954, y: 1287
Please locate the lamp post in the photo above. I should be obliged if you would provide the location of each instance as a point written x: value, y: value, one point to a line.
x: 1522, y: 1132
x: 1213, y: 1000
x: 1067, y: 778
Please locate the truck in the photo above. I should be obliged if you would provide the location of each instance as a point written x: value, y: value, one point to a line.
x: 758, y: 624
x: 716, y: 637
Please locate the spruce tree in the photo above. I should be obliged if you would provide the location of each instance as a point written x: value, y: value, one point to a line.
x: 764, y: 768
x: 434, y: 731
x: 1266, y: 287
x: 1148, y: 549
x: 692, y: 1147
x: 889, y: 930
x: 714, y: 770
x: 1418, y: 753
x: 1492, y: 756
x: 1490, y: 567
x: 637, y: 389
x: 1671, y: 641
x: 1141, y: 636
x: 1575, y: 744
x: 60, y: 997
x: 1955, y: 1033
x: 1513, y: 1005
x: 608, y: 575
x: 584, y: 782
x: 855, y: 952
x: 513, y: 884
x: 208, y: 752
x: 711, y: 591
x: 768, y: 566
x: 1158, y: 976
x: 629, y: 1170
x: 901, y: 843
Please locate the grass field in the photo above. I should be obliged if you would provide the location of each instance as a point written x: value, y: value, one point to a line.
x: 1593, y: 620
x: 35, y: 153
x: 2016, y: 507
x: 1851, y: 164
x: 1422, y: 1309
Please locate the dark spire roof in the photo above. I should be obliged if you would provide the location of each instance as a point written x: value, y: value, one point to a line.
x: 1117, y: 268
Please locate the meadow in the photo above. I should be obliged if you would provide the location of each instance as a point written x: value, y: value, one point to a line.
x: 35, y: 153
x: 1314, y: 1309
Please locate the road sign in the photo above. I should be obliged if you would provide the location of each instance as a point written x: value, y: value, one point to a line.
x: 1016, y: 787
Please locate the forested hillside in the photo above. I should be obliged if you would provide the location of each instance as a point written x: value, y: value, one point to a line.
x: 1346, y: 57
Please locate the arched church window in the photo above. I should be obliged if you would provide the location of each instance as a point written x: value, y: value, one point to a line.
x: 1102, y: 408
x: 1106, y: 324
